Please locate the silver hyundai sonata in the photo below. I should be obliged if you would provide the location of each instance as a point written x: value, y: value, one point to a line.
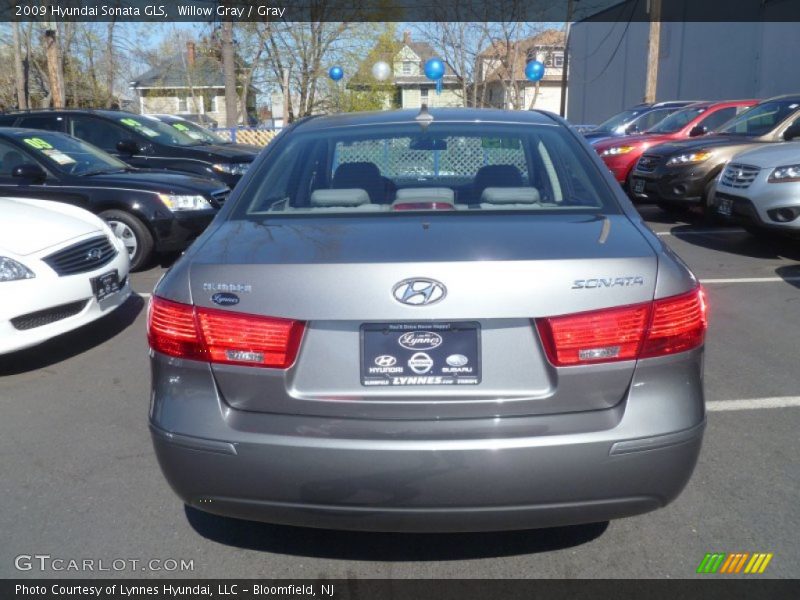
x: 444, y: 320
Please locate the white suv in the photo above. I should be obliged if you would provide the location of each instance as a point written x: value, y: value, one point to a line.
x: 760, y: 188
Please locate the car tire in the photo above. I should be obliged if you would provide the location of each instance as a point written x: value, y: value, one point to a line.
x: 134, y: 235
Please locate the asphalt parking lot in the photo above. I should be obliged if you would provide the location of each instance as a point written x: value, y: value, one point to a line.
x: 79, y: 478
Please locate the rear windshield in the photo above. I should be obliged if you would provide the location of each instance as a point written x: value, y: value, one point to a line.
x: 444, y: 167
x: 677, y: 120
x: 760, y: 119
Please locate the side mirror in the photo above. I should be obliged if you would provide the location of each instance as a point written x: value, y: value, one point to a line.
x: 127, y: 146
x: 29, y: 172
x: 631, y: 129
x: 792, y: 133
x: 697, y: 131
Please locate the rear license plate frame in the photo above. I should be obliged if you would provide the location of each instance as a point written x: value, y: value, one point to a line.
x: 420, y: 353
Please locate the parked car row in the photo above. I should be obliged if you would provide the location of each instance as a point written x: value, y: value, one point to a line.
x: 158, y: 182
x: 710, y: 156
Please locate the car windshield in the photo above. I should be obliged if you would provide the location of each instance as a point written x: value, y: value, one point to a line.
x: 470, y: 167
x: 617, y: 120
x: 761, y: 119
x: 157, y: 131
x: 677, y: 120
x: 70, y: 155
x: 197, y: 132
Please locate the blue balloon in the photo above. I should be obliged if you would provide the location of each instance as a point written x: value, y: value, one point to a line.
x: 534, y: 70
x: 335, y: 73
x: 434, y: 69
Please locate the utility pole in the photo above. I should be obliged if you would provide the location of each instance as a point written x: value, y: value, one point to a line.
x: 286, y: 98
x: 654, y: 8
x: 570, y: 11
x: 20, y: 76
x: 55, y: 68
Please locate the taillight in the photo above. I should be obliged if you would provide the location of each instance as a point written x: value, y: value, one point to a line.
x: 223, y: 337
x: 679, y: 323
x: 657, y: 328
x: 249, y: 339
x: 171, y: 329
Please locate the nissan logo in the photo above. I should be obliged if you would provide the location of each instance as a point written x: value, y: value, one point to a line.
x: 419, y: 292
x: 94, y: 254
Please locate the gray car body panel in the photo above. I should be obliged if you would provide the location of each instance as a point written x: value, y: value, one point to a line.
x: 532, y: 445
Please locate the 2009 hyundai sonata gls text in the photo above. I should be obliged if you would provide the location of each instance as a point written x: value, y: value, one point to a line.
x: 450, y: 320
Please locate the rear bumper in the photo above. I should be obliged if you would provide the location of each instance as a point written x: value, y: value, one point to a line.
x: 472, y: 488
x: 458, y: 475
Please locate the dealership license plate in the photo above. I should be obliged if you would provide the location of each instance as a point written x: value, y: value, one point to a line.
x: 406, y: 354
x: 725, y: 206
x: 638, y: 186
x: 106, y: 284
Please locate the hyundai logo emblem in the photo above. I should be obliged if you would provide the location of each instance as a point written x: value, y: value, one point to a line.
x: 419, y: 292
x: 94, y: 254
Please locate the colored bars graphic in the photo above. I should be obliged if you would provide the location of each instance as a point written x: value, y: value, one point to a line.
x: 736, y: 562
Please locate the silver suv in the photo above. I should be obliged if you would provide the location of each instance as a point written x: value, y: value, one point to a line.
x: 445, y: 321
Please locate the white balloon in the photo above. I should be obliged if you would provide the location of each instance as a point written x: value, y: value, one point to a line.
x: 381, y: 70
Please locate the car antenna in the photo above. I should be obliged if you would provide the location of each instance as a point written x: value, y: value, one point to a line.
x: 424, y: 118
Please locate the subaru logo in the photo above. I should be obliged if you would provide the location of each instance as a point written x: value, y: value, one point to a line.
x: 419, y: 292
x: 94, y: 254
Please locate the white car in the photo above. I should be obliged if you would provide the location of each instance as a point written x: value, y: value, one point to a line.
x: 760, y: 189
x: 61, y: 267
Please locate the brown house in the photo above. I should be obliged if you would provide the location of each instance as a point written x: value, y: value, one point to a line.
x: 502, y: 71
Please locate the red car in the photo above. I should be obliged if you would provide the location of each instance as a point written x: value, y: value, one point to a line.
x: 621, y: 154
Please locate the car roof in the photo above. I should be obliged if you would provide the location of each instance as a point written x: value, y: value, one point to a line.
x: 103, y: 112
x: 15, y: 132
x: 440, y: 115
x: 721, y: 103
x: 790, y: 97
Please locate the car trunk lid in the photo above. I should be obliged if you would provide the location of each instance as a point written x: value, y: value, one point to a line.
x: 499, y: 273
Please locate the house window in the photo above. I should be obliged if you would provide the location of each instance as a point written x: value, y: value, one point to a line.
x: 407, y: 66
x: 182, y: 105
x: 423, y: 95
x: 558, y: 60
